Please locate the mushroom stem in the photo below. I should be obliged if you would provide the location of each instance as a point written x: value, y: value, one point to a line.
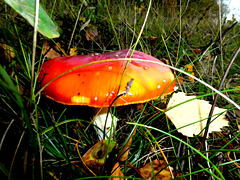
x: 104, y: 120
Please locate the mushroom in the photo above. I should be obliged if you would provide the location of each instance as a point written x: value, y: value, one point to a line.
x: 73, y: 81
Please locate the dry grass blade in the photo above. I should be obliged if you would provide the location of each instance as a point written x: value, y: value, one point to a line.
x: 216, y: 97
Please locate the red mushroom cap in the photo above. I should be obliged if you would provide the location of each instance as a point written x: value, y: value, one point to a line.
x: 97, y: 85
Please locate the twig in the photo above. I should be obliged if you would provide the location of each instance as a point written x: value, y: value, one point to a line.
x: 14, y: 156
x: 5, y: 133
x: 129, y: 84
x: 216, y: 97
x: 34, y: 46
x: 79, y: 11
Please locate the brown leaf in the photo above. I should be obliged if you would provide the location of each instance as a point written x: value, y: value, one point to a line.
x: 154, y: 167
x: 8, y: 52
x: 116, y: 171
x: 125, y: 151
x: 194, y: 112
x: 152, y: 38
x: 197, y: 51
x: 51, y: 52
x: 180, y: 79
x: 91, y: 33
x: 95, y: 157
x: 140, y: 106
x: 237, y: 112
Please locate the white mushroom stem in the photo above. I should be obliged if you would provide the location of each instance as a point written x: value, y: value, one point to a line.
x: 102, y: 120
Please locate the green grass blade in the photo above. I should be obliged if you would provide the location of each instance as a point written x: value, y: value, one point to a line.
x: 197, y: 151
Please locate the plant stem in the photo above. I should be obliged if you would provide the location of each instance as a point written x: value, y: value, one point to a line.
x: 34, y: 47
x: 216, y: 97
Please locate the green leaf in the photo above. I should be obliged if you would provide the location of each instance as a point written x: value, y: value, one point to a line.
x: 27, y: 9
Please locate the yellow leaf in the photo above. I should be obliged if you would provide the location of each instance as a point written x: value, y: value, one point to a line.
x: 83, y: 19
x: 237, y: 87
x: 73, y: 52
x: 190, y: 78
x: 196, y: 112
x: 190, y: 69
x: 139, y: 9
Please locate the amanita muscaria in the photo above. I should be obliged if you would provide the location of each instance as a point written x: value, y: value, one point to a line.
x: 98, y: 84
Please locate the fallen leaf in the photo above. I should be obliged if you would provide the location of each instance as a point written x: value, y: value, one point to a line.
x: 189, y: 68
x: 91, y: 33
x: 95, y: 157
x: 123, y: 156
x: 82, y: 18
x: 51, y: 52
x: 116, y: 171
x: 190, y: 78
x: 139, y: 9
x: 73, y: 52
x: 155, y: 167
x: 180, y: 79
x: 196, y: 112
x: 237, y: 87
x: 197, y: 51
x: 8, y: 52
x: 152, y: 38
x: 237, y: 112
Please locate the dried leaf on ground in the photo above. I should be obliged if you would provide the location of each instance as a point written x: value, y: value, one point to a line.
x: 91, y: 33
x: 82, y: 18
x: 189, y: 68
x: 180, y: 79
x: 123, y: 156
x: 95, y: 157
x: 195, y: 111
x: 237, y: 87
x: 8, y: 51
x: 139, y: 9
x: 116, y: 171
x: 155, y: 167
x: 73, y: 52
x: 52, y: 52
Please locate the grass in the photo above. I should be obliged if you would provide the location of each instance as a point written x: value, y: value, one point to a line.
x: 42, y: 139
